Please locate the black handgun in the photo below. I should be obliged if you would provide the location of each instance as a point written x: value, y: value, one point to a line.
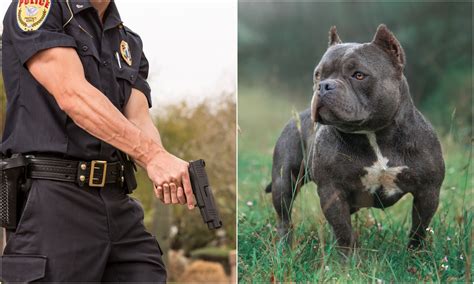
x: 203, y: 193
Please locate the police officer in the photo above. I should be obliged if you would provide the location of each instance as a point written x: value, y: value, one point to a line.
x: 75, y: 79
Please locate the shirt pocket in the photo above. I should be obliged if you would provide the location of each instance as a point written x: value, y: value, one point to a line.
x: 126, y: 76
x: 86, y: 49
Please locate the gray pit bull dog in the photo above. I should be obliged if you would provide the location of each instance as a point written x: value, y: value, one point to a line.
x: 371, y: 145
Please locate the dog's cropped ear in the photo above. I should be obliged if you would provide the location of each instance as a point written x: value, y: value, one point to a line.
x: 385, y: 39
x: 333, y: 37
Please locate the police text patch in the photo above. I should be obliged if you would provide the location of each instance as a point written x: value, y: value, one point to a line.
x: 31, y: 14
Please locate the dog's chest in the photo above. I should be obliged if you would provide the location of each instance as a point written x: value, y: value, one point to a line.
x: 370, y: 170
x: 380, y: 175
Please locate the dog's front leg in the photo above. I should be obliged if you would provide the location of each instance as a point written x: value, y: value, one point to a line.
x: 425, y: 203
x: 336, y: 209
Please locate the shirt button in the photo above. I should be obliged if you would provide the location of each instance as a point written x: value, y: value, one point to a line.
x: 105, y: 63
x: 132, y: 77
x: 85, y: 48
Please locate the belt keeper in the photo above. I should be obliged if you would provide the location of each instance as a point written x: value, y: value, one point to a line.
x: 81, y: 173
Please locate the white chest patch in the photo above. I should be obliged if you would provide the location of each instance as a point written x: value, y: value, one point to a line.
x: 379, y: 174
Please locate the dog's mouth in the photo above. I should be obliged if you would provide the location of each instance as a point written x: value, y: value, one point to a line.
x: 318, y: 116
x: 324, y: 115
x: 317, y: 108
x: 320, y: 112
x: 314, y: 108
x: 327, y: 113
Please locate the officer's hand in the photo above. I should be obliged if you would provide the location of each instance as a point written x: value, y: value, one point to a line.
x: 170, y: 177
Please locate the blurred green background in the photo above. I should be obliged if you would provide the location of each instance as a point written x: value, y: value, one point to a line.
x: 280, y: 43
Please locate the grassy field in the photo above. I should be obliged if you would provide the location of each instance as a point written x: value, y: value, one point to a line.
x: 382, y: 235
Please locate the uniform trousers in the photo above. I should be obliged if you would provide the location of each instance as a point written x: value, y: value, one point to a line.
x: 81, y: 234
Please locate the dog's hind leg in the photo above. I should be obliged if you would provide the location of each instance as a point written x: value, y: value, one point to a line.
x: 285, y: 187
x: 283, y: 197
x: 288, y: 170
x: 288, y: 175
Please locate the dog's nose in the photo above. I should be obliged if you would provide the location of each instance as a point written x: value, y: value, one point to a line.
x: 326, y: 86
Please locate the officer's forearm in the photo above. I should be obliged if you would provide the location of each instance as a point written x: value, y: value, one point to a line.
x: 93, y: 112
x: 60, y: 71
x: 149, y: 128
x: 136, y: 111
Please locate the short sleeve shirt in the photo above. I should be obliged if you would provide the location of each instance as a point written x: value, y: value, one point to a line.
x: 112, y: 57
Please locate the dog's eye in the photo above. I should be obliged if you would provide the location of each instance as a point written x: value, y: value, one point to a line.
x: 317, y: 76
x: 358, y: 75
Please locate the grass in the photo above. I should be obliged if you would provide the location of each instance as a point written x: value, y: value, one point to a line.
x: 382, y: 235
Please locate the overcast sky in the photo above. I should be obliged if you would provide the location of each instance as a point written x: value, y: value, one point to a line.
x: 191, y: 46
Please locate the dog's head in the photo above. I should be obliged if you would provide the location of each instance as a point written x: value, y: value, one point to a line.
x: 357, y: 86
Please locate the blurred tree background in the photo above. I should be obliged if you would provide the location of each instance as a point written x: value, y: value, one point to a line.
x: 280, y: 42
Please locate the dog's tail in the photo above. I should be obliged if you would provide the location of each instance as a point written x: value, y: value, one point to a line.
x: 268, y: 189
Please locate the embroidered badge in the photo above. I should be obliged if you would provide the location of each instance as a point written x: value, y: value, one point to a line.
x: 125, y: 51
x: 31, y: 14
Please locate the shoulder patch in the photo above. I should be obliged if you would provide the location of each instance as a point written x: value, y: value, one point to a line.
x: 31, y: 14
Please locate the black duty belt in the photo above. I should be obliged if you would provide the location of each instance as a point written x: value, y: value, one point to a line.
x: 92, y: 173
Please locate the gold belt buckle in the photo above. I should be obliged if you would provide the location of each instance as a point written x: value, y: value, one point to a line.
x: 97, y: 165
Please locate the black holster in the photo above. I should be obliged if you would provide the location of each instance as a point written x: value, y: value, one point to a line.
x: 130, y: 182
x: 13, y: 189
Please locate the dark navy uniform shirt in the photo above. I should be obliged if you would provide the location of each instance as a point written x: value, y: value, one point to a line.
x: 113, y: 62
